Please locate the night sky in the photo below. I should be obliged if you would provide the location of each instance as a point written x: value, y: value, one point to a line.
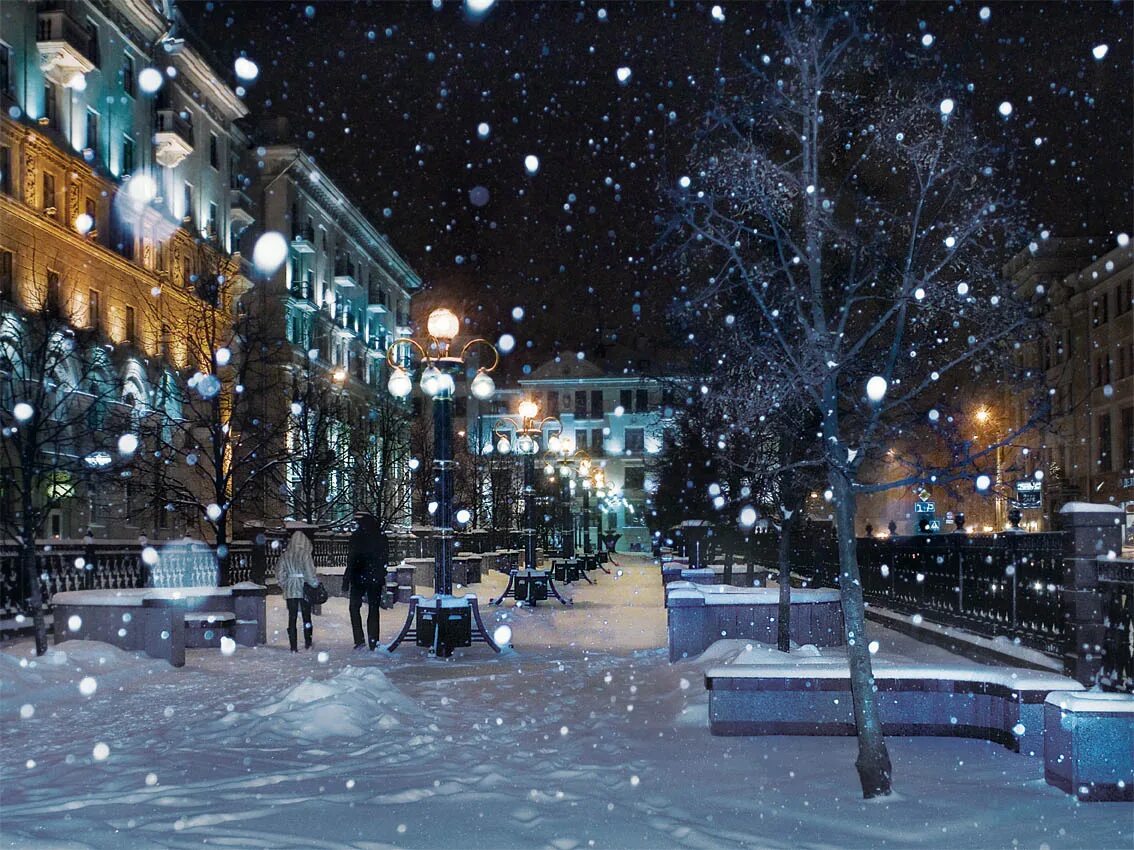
x: 388, y: 98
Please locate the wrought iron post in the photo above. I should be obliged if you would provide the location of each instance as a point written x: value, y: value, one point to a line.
x: 529, y: 511
x: 443, y: 464
x: 567, y: 523
x: 586, y: 521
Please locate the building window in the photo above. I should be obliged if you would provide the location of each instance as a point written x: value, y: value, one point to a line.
x: 1124, y: 298
x: 5, y: 169
x: 50, y: 104
x: 214, y: 150
x: 596, y: 404
x: 7, y: 283
x: 1104, y: 442
x: 128, y: 74
x: 131, y: 329
x: 91, y: 209
x: 94, y: 309
x: 211, y: 222
x: 49, y: 193
x: 626, y: 400
x: 54, y: 290
x: 641, y: 400
x: 634, y: 478
x: 92, y: 130
x: 1099, y: 312
x: 5, y: 68
x: 553, y: 403
x: 635, y: 440
x: 1128, y: 437
x: 127, y: 156
x: 92, y: 43
x: 580, y: 404
x: 187, y: 203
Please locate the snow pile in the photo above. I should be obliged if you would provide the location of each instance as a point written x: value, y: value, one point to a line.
x: 344, y: 706
x: 68, y: 671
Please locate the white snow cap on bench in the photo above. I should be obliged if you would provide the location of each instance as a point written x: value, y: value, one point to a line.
x: 1097, y: 702
x: 1008, y: 677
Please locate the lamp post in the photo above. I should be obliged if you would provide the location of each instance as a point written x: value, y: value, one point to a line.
x: 534, y: 584
x: 444, y: 621
x: 562, y: 451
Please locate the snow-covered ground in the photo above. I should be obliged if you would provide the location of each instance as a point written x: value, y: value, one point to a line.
x: 583, y: 736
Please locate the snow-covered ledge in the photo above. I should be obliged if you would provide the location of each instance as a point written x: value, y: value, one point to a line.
x: 1088, y: 747
x: 1000, y: 704
x: 699, y: 615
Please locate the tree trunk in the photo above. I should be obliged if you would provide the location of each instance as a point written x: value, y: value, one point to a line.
x: 783, y: 623
x: 35, y: 591
x: 873, y: 763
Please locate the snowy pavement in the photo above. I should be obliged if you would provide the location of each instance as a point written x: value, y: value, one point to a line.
x: 583, y: 736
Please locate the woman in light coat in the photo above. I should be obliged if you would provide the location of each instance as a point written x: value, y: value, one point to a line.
x: 296, y: 568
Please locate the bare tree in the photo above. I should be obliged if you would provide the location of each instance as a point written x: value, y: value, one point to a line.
x: 223, y: 449
x: 380, y: 446
x: 56, y: 393
x: 317, y: 485
x: 861, y: 229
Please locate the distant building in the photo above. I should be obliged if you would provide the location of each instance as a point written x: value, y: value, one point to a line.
x: 344, y: 295
x: 1087, y: 452
x: 616, y: 409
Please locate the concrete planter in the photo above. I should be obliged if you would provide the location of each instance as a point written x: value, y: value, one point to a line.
x: 1089, y: 744
x: 700, y: 615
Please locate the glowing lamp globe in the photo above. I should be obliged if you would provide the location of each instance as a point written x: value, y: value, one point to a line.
x: 554, y: 443
x: 526, y: 445
x: 528, y: 409
x: 431, y: 381
x: 482, y: 386
x: 443, y: 324
x: 400, y: 385
x: 503, y: 446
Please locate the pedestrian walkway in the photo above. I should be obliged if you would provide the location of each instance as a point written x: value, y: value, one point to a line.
x: 581, y: 736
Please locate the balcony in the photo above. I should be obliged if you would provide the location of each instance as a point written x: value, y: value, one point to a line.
x: 63, y: 46
x: 303, y: 240
x: 378, y: 309
x: 240, y: 209
x: 174, y: 138
x: 346, y: 274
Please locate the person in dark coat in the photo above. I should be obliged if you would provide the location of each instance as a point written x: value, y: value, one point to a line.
x: 365, y: 578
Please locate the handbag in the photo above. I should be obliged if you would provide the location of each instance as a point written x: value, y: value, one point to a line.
x: 316, y: 594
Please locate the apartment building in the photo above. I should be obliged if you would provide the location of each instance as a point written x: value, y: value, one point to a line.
x: 118, y: 196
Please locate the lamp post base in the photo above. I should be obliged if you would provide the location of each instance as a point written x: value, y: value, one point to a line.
x: 530, y: 586
x: 443, y: 623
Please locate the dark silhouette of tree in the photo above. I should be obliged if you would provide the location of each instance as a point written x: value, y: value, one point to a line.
x: 862, y: 225
x: 56, y: 395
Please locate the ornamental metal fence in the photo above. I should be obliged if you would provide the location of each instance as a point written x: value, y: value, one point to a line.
x: 1116, y: 591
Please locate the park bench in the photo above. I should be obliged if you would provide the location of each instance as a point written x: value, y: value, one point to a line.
x: 163, y: 622
x: 1000, y: 704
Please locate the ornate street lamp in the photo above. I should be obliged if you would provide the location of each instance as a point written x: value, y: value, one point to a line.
x: 444, y: 621
x: 534, y: 584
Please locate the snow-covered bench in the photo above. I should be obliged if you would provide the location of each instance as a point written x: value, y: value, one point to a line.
x: 163, y: 622
x: 1000, y: 704
x: 1089, y: 744
x: 700, y: 615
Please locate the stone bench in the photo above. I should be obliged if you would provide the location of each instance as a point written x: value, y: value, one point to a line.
x: 1088, y: 748
x: 163, y: 622
x: 1000, y: 704
x: 700, y: 615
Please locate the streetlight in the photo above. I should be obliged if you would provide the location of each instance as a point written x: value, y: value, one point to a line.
x: 444, y: 621
x: 534, y: 584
